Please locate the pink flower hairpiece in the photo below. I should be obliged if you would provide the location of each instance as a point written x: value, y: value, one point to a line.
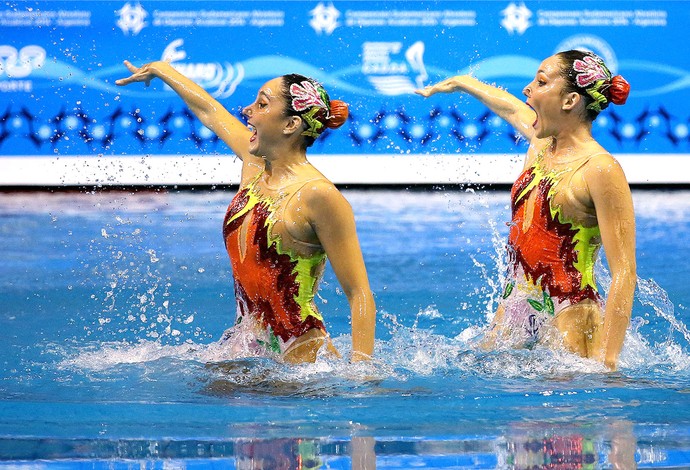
x: 305, y: 95
x: 590, y: 70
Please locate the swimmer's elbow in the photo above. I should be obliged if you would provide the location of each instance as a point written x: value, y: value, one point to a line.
x: 358, y: 294
x: 625, y: 273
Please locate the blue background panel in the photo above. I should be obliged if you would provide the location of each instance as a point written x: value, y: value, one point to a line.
x: 59, y: 61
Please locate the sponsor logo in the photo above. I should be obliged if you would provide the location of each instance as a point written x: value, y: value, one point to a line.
x: 223, y: 78
x: 18, y: 64
x: 131, y: 18
x: 324, y: 19
x: 391, y: 70
x: 516, y: 18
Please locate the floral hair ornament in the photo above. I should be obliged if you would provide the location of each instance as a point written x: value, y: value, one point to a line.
x: 308, y: 95
x: 595, y: 78
x: 305, y: 95
x: 314, y: 126
x: 590, y: 69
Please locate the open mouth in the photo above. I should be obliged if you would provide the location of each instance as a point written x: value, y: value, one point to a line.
x: 536, y: 116
x: 252, y: 138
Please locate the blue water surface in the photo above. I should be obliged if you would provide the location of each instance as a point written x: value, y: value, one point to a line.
x: 112, y: 303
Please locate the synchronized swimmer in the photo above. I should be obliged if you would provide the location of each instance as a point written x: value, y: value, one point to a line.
x: 571, y: 198
x: 287, y: 218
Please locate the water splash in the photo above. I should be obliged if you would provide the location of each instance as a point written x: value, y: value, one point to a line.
x: 137, y: 297
x: 642, y: 349
x: 652, y: 295
x: 418, y: 347
x: 495, y: 276
x: 414, y: 352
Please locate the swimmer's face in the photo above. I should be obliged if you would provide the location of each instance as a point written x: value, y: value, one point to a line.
x: 266, y: 117
x: 545, y: 96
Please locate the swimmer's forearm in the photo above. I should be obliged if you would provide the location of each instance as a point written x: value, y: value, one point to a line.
x: 505, y: 105
x: 497, y: 99
x: 207, y: 109
x: 617, y: 317
x: 199, y: 101
x: 363, y: 311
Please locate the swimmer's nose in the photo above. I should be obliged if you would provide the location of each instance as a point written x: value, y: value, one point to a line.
x: 527, y: 92
x: 247, y: 111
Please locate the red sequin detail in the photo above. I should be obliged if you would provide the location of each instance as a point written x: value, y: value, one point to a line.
x: 265, y: 283
x: 545, y: 250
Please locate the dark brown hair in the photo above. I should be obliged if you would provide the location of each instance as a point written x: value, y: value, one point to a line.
x: 586, y: 73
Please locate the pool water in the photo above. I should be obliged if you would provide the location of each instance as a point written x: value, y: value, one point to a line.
x: 112, y: 303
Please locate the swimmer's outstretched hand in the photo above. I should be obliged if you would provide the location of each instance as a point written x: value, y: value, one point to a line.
x: 449, y: 85
x: 145, y: 74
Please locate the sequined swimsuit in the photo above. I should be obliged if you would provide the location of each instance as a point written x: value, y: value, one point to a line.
x: 274, y: 287
x: 550, y: 259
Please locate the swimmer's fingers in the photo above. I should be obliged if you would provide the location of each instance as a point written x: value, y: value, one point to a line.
x: 139, y: 74
x: 130, y: 66
x: 425, y: 92
x: 429, y: 90
x: 446, y: 86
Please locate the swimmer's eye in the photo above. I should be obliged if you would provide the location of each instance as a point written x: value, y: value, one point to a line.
x: 541, y: 82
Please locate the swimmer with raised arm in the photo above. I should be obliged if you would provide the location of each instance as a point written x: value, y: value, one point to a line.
x: 285, y: 220
x: 571, y: 198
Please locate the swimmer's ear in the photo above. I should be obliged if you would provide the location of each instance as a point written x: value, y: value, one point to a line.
x: 571, y: 100
x: 294, y: 124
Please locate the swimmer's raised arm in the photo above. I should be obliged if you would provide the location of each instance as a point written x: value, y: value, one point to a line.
x: 207, y: 109
x: 333, y: 221
x: 507, y: 106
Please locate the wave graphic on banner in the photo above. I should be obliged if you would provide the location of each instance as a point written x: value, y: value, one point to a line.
x: 391, y: 85
x: 228, y: 77
x: 267, y: 67
x: 503, y: 66
x: 682, y: 77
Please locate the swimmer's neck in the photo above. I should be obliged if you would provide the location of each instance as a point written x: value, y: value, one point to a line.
x: 571, y: 144
x: 284, y: 167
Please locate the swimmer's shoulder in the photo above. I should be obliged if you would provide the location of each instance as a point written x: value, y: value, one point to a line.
x: 604, y: 178
x: 602, y: 164
x: 323, y: 198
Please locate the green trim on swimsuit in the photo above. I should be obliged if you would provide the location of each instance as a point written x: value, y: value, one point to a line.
x: 272, y: 344
x: 586, y: 250
x: 304, y: 266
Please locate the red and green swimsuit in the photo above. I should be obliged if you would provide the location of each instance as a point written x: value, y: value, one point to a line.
x: 274, y: 287
x: 551, y: 260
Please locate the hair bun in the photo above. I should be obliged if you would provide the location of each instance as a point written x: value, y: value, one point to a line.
x: 619, y: 90
x: 339, y: 113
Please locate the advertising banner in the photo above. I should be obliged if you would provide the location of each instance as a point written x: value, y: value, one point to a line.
x: 64, y: 121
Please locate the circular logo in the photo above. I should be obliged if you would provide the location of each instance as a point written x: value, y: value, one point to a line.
x: 587, y: 42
